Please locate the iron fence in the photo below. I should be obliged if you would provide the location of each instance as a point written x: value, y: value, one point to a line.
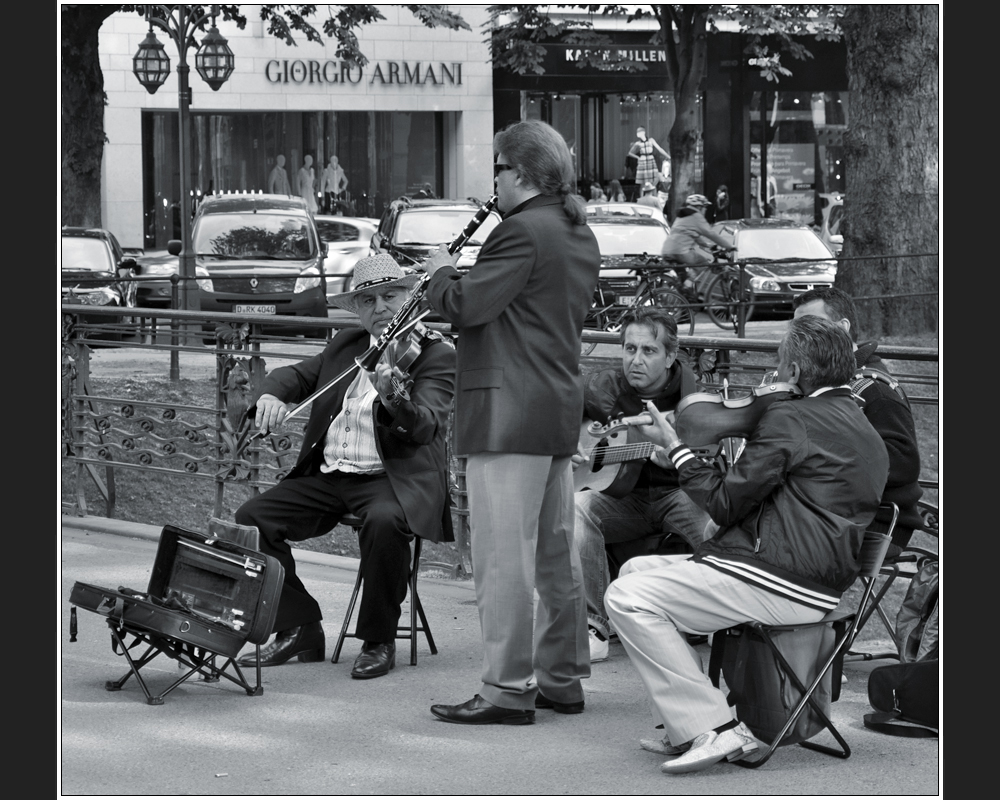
x: 214, y: 442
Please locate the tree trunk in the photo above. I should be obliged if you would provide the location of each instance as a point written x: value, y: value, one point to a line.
x: 686, y: 64
x: 891, y: 207
x: 83, y: 103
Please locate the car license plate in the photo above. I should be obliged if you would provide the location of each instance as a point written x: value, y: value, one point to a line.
x: 625, y: 300
x: 254, y: 309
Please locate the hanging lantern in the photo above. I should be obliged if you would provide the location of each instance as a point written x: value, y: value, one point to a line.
x: 214, y: 60
x: 151, y: 64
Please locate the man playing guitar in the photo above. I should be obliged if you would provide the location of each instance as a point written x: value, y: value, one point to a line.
x: 628, y: 500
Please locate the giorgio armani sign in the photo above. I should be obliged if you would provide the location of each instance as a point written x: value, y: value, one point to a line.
x: 382, y: 72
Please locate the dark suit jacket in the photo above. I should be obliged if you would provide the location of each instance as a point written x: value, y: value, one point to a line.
x: 411, y: 443
x: 520, y: 313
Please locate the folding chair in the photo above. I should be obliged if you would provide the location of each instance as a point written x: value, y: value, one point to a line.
x: 846, y: 624
x: 416, y: 608
x: 903, y: 566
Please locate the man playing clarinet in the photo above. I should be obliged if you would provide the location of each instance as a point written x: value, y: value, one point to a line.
x: 374, y: 446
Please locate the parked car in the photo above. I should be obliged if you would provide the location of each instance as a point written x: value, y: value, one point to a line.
x: 347, y: 240
x: 784, y: 258
x: 624, y: 210
x: 93, y: 265
x: 258, y: 254
x: 625, y: 241
x: 411, y: 229
x: 155, y: 268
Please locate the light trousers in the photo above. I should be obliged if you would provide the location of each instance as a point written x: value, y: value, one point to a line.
x: 521, y: 520
x: 654, y: 601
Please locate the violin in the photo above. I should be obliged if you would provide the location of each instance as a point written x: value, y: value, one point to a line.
x: 706, y: 418
x: 405, y: 350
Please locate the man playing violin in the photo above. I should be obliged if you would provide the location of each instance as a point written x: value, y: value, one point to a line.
x: 374, y: 446
x: 792, y: 513
x: 655, y: 503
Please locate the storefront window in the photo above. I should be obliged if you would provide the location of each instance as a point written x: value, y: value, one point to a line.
x: 804, y: 137
x: 601, y: 128
x: 382, y: 154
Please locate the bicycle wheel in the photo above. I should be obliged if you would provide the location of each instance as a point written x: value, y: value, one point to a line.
x: 721, y: 297
x: 677, y: 307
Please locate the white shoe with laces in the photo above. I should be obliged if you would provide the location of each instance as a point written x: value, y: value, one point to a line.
x: 598, y: 646
x: 710, y: 748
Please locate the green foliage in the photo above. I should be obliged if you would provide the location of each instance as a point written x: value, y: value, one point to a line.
x: 518, y: 32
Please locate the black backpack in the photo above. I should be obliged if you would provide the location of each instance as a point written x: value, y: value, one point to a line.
x: 905, y: 697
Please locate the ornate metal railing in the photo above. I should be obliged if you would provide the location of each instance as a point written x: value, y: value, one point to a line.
x: 171, y: 435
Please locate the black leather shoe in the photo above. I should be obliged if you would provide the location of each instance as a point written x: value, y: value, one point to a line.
x: 480, y: 712
x: 375, y: 660
x: 541, y: 701
x: 307, y: 642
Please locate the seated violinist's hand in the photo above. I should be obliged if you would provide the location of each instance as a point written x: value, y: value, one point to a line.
x: 660, y: 458
x: 661, y: 432
x: 271, y: 413
x: 439, y: 258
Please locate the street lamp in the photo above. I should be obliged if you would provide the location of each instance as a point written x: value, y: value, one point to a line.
x: 151, y: 66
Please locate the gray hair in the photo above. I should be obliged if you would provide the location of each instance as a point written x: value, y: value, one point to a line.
x: 658, y: 320
x: 822, y: 349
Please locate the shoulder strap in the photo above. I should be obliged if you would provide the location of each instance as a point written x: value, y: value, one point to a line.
x: 894, y: 724
x: 866, y: 377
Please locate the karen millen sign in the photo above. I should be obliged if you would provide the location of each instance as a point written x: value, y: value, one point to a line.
x: 382, y: 72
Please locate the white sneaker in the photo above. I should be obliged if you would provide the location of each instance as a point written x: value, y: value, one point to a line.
x: 663, y: 747
x: 598, y: 646
x: 711, y: 748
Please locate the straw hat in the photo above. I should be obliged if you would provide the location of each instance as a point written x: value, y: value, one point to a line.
x: 373, y: 272
x: 647, y: 187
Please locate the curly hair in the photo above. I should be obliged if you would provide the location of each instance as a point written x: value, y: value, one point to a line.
x: 539, y: 153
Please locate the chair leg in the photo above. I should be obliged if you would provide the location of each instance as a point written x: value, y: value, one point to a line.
x: 347, y: 618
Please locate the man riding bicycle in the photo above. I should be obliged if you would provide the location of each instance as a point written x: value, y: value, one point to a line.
x: 690, y: 233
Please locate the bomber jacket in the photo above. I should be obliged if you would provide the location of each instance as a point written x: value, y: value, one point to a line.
x: 793, y: 509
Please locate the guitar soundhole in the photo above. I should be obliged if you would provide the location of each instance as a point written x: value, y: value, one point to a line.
x: 599, y: 456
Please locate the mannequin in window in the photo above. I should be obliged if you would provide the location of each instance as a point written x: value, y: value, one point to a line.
x: 332, y: 181
x: 307, y: 183
x: 642, y: 152
x: 277, y: 181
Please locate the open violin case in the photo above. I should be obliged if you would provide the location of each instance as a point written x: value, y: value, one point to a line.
x: 207, y: 597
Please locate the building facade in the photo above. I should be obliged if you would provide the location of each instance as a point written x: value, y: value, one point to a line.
x: 598, y: 109
x: 418, y: 116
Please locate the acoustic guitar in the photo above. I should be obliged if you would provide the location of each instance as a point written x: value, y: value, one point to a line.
x: 614, y: 460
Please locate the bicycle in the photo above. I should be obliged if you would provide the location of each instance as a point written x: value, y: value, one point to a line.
x: 723, y: 296
x: 657, y: 286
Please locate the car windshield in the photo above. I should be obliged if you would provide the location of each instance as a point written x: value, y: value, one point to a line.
x: 439, y: 227
x: 776, y: 244
x: 85, y: 255
x: 256, y: 236
x: 619, y: 240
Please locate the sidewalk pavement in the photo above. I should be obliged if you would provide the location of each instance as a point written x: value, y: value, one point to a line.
x: 314, y: 730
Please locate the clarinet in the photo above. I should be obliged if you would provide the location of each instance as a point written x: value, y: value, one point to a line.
x: 400, y: 321
x: 370, y: 357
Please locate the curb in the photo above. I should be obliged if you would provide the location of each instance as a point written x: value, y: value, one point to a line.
x: 138, y: 530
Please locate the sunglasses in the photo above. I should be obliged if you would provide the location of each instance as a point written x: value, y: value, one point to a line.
x: 498, y: 168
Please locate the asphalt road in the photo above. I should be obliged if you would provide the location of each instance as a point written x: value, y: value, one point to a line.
x: 314, y: 730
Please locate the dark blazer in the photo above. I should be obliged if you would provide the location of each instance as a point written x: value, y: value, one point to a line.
x: 520, y: 313
x: 411, y: 443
